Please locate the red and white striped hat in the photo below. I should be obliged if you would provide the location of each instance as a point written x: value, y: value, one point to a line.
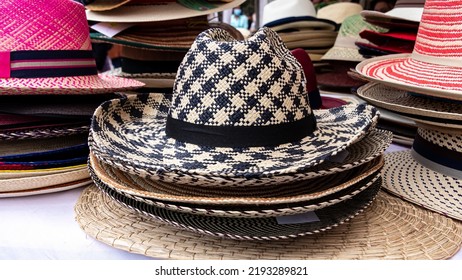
x: 45, y: 48
x: 435, y: 65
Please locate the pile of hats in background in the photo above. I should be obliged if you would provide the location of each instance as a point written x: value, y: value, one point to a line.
x: 49, y: 89
x: 237, y: 165
x: 425, y: 86
x: 154, y: 35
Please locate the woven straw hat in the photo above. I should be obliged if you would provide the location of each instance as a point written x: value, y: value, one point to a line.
x: 45, y: 48
x: 390, y: 229
x: 25, y: 182
x: 301, y: 14
x: 50, y: 189
x: 358, y: 153
x: 338, y: 12
x: 412, y: 105
x: 434, y: 67
x: 221, y: 91
x: 125, y: 184
x: 258, y: 228
x: 430, y: 175
x: 295, y: 192
x: 403, y: 10
x: 344, y: 47
x: 158, y: 12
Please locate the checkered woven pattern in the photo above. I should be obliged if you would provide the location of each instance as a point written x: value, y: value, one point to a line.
x: 130, y: 134
x: 226, y: 82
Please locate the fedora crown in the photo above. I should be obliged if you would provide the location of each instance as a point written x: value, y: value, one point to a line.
x: 223, y: 82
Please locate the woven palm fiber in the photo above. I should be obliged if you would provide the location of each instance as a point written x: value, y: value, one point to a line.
x: 49, y: 189
x: 287, y: 193
x: 390, y: 229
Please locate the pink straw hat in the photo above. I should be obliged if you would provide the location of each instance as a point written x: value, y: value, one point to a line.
x: 435, y: 65
x: 45, y: 48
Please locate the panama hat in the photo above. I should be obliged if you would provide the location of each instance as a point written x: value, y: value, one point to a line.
x: 344, y: 46
x: 50, y: 58
x: 415, y: 106
x: 289, y: 14
x: 390, y: 229
x: 176, y: 35
x: 433, y: 68
x: 159, y: 12
x: 403, y: 10
x: 219, y: 88
x: 338, y: 12
x: 430, y: 174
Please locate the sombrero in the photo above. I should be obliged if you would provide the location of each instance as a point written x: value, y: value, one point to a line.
x: 159, y: 12
x: 218, y: 88
x: 390, y: 229
x: 433, y: 68
x: 412, y: 105
x: 294, y: 14
x: 430, y: 174
x: 51, y: 57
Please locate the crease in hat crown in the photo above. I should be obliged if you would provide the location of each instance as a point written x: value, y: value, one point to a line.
x: 252, y: 91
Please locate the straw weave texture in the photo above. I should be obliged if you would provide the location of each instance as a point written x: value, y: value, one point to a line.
x: 389, y: 229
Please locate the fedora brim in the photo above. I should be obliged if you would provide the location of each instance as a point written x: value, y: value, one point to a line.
x: 44, y: 131
x: 292, y: 192
x: 400, y: 101
x: 150, y: 13
x: 407, y: 178
x: 376, y: 233
x: 412, y: 14
x: 150, y: 80
x: 150, y: 153
x: 94, y: 84
x: 305, y: 22
x: 404, y: 72
x: 343, y: 53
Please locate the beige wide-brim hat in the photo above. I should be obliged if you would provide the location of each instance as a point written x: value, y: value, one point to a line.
x: 389, y: 229
x: 164, y: 12
x: 338, y: 12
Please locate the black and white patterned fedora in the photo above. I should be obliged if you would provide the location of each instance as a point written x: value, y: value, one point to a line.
x: 239, y: 109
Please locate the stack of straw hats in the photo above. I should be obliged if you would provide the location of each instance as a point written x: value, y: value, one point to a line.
x: 49, y: 89
x: 296, y: 23
x: 425, y: 86
x: 238, y: 163
x: 153, y: 35
x: 402, y: 22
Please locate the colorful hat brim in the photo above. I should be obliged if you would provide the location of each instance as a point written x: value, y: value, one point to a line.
x: 153, y: 154
x: 94, y: 84
x: 47, y: 190
x: 404, y: 72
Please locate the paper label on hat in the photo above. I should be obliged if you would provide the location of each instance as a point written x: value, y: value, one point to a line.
x: 302, y: 218
x: 198, y: 5
x: 339, y: 157
x: 111, y: 29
